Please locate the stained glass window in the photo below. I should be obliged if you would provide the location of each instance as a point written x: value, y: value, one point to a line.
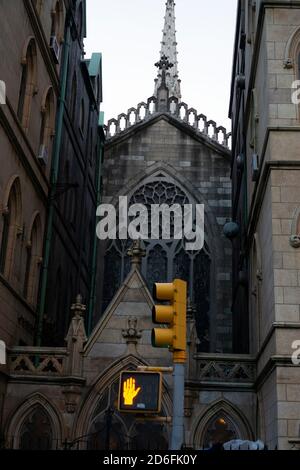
x: 165, y: 259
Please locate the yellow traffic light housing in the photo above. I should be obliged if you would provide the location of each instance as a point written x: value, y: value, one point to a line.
x: 173, y: 314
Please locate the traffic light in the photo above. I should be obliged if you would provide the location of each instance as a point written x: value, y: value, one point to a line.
x: 140, y: 392
x: 173, y: 314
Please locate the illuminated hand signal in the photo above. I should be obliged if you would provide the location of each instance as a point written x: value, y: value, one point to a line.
x: 129, y: 391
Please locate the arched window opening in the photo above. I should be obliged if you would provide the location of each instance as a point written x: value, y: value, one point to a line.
x: 110, y: 430
x: 165, y: 259
x: 38, y: 5
x: 57, y: 21
x: 5, y: 235
x: 28, y: 84
x: 33, y: 263
x: 219, y: 430
x: 36, y: 432
x: 11, y: 229
x: 47, y: 127
x: 57, y: 30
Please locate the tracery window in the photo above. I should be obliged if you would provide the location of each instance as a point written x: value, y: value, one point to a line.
x: 165, y: 259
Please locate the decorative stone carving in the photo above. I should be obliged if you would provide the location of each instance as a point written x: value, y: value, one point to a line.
x: 295, y: 241
x: 131, y: 333
x: 295, y: 236
x: 76, y: 338
x: 136, y: 253
x: 288, y: 63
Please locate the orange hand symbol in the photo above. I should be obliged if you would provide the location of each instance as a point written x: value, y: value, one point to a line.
x: 129, y: 391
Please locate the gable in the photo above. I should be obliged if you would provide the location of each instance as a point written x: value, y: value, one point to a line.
x: 164, y: 124
x: 131, y: 308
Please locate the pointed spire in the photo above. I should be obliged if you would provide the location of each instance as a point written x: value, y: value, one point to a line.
x: 169, y: 50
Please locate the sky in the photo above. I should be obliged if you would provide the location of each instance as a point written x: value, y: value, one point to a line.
x: 128, y: 34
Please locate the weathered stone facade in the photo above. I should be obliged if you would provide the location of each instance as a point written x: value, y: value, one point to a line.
x: 266, y: 64
x: 166, y: 149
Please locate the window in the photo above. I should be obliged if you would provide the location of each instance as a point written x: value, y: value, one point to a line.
x: 47, y: 123
x: 38, y: 5
x: 57, y: 26
x: 33, y: 262
x: 36, y: 431
x: 5, y: 234
x: 27, y: 84
x: 110, y: 430
x: 11, y: 228
x: 165, y: 259
x: 219, y: 430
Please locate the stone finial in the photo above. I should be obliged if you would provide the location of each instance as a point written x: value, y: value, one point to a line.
x: 136, y: 253
x: 78, y: 308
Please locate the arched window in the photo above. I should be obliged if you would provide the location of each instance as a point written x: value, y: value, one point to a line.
x: 38, y: 5
x: 11, y: 228
x: 28, y: 83
x: 219, y: 430
x: 36, y: 432
x: 47, y: 126
x: 33, y: 262
x: 110, y: 430
x: 57, y: 25
x: 73, y: 98
x: 165, y: 259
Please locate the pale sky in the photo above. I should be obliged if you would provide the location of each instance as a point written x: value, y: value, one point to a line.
x: 129, y: 32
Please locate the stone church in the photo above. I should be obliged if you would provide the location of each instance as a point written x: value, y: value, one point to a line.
x: 161, y: 151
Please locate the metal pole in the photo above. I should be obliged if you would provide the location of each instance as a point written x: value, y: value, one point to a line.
x: 178, y: 407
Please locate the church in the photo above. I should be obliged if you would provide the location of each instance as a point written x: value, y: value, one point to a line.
x: 164, y: 151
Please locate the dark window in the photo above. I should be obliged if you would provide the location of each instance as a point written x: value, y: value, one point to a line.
x: 22, y: 92
x: 5, y: 236
x: 36, y: 431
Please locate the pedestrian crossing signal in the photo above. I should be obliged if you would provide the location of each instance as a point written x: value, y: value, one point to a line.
x: 140, y: 392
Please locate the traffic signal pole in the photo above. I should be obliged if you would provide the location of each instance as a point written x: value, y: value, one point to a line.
x: 173, y: 337
x: 177, y: 438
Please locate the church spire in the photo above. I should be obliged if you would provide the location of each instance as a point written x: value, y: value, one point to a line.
x: 169, y: 51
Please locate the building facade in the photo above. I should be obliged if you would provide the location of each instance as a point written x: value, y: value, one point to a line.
x: 162, y: 151
x: 265, y: 171
x: 47, y: 123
